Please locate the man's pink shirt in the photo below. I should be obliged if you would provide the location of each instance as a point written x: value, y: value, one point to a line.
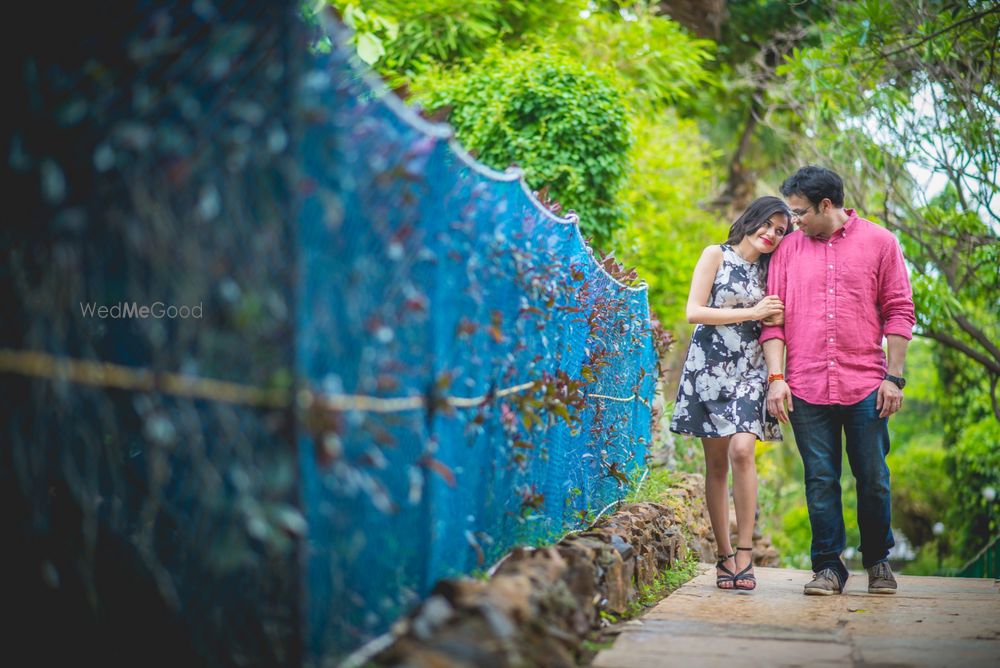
x: 842, y: 295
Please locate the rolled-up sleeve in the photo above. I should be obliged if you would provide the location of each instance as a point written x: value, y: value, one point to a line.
x: 895, y: 297
x: 775, y: 286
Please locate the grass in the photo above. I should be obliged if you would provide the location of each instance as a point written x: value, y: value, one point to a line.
x: 654, y: 487
x: 591, y: 647
x: 667, y: 582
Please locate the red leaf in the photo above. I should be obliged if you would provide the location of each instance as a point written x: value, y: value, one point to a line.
x: 441, y: 469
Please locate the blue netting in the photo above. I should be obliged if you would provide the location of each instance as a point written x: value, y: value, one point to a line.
x: 148, y: 150
x: 345, y: 255
x: 428, y: 276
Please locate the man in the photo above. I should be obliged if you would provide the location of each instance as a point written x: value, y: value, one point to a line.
x: 845, y: 287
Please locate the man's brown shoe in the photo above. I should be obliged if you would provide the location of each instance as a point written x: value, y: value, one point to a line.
x: 825, y: 583
x: 880, y: 579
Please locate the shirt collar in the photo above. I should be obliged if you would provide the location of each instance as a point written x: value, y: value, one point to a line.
x: 852, y: 217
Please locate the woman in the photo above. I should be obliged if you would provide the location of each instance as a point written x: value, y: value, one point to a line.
x: 723, y: 386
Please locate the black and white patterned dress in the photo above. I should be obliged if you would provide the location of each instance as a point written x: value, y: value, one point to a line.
x: 723, y: 385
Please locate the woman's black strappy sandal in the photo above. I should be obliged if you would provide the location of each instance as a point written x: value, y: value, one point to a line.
x: 729, y: 576
x: 745, y: 574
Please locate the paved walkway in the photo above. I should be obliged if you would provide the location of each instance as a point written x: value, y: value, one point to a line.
x: 931, y: 621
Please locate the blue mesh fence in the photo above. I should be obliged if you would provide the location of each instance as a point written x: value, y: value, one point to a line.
x: 404, y: 367
x: 149, y: 496
x: 525, y: 372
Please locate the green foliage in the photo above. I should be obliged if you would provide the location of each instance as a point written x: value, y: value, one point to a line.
x: 667, y: 229
x: 564, y: 125
x: 974, y: 463
x: 869, y: 88
x: 921, y: 491
x: 927, y: 99
x: 921, y: 488
x: 955, y: 232
x: 780, y: 489
x: 658, y: 60
x: 405, y: 36
x: 657, y: 483
x: 594, y: 646
x: 794, y: 538
x: 933, y: 558
x: 667, y: 581
x: 918, y: 423
x: 673, y: 578
x: 441, y: 49
x: 752, y: 23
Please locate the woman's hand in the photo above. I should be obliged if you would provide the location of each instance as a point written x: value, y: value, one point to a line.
x: 767, y: 307
x: 778, y: 319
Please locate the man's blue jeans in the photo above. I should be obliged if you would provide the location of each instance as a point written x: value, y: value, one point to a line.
x: 818, y: 430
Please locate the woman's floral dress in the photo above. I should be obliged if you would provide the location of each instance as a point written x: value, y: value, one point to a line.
x: 724, y: 382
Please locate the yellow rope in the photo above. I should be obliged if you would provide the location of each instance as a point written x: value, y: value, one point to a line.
x: 103, y: 374
x: 461, y: 402
x: 604, y: 396
x: 354, y: 402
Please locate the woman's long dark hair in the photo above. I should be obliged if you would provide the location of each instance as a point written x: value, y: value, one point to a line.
x: 754, y: 218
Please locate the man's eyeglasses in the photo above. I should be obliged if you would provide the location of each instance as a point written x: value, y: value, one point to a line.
x: 798, y: 213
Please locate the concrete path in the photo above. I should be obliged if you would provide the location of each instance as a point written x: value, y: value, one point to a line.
x: 930, y: 622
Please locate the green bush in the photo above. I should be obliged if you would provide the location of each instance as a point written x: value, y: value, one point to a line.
x: 932, y: 561
x: 921, y: 490
x: 974, y: 463
x: 566, y: 126
x: 794, y: 538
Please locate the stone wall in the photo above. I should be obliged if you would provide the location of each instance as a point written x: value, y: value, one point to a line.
x: 540, y: 603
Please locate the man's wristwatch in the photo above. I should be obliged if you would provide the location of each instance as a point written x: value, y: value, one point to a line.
x: 898, y: 380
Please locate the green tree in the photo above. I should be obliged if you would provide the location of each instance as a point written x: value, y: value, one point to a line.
x: 402, y: 37
x: 747, y: 115
x: 658, y: 61
x: 566, y: 126
x: 924, y: 102
x: 926, y: 97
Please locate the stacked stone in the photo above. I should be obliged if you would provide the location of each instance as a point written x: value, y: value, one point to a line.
x: 540, y: 603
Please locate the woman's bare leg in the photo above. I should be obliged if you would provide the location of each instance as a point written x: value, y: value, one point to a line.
x: 741, y: 453
x: 717, y: 496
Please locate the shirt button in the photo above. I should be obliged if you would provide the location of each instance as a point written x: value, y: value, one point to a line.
x: 831, y: 290
x: 831, y: 363
x: 829, y: 315
x: 831, y: 339
x: 830, y: 245
x: 831, y: 266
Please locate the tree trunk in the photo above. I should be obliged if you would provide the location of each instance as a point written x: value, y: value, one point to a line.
x: 702, y: 17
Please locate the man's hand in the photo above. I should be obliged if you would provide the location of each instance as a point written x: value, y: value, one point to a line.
x: 890, y: 398
x: 777, y: 394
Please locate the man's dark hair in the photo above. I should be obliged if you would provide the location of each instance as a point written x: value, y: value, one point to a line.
x: 815, y: 184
